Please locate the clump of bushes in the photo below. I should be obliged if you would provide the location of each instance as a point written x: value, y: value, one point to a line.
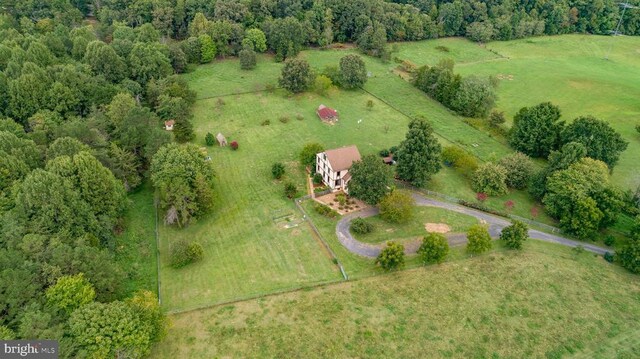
x: 490, y: 178
x: 397, y: 207
x: 496, y: 119
x: 182, y: 253
x: 392, y: 256
x: 478, y: 238
x: 234, y: 145
x: 519, y: 169
x: 317, y: 178
x: 459, y: 159
x: 290, y: 190
x: 324, y: 210
x: 515, y: 234
x: 434, y: 248
x: 209, y: 139
x: 277, y: 170
x: 361, y: 226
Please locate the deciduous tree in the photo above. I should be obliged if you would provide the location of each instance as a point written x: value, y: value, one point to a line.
x: 536, y: 130
x: 296, y: 75
x: 600, y: 139
x: 391, y: 256
x: 478, y: 238
x: 397, y: 207
x: 370, y: 180
x: 515, y: 234
x: 353, y: 72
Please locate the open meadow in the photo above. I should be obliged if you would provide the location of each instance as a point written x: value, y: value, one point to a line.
x: 569, y: 70
x: 546, y: 301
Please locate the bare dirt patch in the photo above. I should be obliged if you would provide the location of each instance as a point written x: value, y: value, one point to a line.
x: 437, y: 227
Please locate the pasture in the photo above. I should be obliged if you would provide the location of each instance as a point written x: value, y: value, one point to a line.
x: 249, y: 252
x: 544, y: 301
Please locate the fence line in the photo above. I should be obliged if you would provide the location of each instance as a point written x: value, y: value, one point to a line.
x: 410, y: 117
x: 155, y: 205
x: 237, y: 93
x: 317, y: 232
x: 459, y: 201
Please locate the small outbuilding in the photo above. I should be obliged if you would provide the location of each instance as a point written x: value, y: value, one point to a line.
x: 168, y: 125
x: 327, y: 113
x: 222, y: 141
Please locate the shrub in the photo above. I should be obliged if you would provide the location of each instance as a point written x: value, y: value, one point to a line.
x: 265, y: 123
x: 608, y: 257
x: 392, y: 256
x: 629, y: 256
x: 519, y: 169
x: 481, y: 196
x: 209, y: 139
x: 277, y: 170
x: 609, y: 240
x: 490, y: 178
x: 284, y: 119
x: 508, y: 205
x: 460, y: 159
x: 361, y: 226
x: 397, y: 207
x: 290, y: 190
x: 496, y: 119
x: 434, y: 248
x: 317, y: 178
x: 183, y: 253
x: 234, y: 145
x: 248, y: 59
x: 342, y: 198
x: 384, y: 153
x: 451, y: 155
x: 515, y: 234
x: 482, y: 207
x: 299, y: 117
x: 322, y: 84
x: 479, y: 240
x: 324, y: 210
x: 370, y: 106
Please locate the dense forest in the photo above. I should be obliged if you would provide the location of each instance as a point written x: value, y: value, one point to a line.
x: 85, y: 87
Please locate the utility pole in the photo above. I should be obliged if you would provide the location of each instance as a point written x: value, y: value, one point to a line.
x: 624, y: 6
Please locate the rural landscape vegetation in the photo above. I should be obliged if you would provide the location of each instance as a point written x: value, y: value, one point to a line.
x: 161, y: 193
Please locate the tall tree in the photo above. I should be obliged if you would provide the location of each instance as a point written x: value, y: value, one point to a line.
x: 353, y: 72
x: 419, y: 155
x: 370, y: 180
x: 536, y: 130
x: 601, y: 141
x: 184, y: 181
x: 296, y: 75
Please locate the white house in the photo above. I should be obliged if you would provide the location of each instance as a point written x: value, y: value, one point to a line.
x: 168, y: 125
x: 334, y: 166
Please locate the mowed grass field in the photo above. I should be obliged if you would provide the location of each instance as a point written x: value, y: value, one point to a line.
x: 544, y: 301
x: 571, y: 72
x: 415, y: 227
x: 248, y: 252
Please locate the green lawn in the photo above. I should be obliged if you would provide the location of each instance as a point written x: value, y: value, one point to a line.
x: 544, y: 301
x: 136, y: 246
x: 571, y: 72
x: 415, y: 228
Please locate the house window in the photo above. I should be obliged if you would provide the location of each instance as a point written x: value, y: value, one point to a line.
x: 337, y: 182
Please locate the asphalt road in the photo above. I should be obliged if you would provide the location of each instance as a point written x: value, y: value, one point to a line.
x: 495, y: 223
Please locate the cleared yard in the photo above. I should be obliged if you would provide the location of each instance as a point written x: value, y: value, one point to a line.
x: 415, y: 228
x: 545, y: 301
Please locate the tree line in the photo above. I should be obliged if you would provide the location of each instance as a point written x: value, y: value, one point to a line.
x: 81, y: 124
x: 291, y: 24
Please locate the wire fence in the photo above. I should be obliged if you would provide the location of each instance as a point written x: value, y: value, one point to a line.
x: 155, y: 205
x: 334, y: 257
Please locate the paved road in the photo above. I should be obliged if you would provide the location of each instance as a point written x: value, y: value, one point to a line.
x: 496, y: 224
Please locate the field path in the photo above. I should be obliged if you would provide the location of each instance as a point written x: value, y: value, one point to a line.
x: 496, y: 224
